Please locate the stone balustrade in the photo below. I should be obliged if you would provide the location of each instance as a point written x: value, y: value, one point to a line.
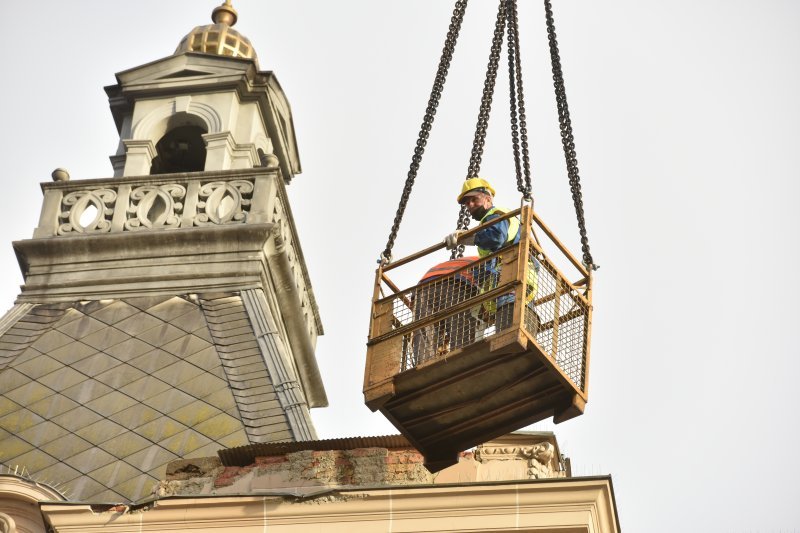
x: 156, y: 202
x: 103, y: 210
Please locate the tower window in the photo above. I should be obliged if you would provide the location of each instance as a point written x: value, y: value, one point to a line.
x: 182, y: 149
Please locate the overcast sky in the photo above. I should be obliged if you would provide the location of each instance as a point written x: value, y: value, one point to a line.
x: 687, y: 125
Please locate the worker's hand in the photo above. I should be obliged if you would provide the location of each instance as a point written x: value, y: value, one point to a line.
x: 452, y: 240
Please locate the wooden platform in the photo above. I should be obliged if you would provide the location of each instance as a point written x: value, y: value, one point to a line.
x: 477, y: 393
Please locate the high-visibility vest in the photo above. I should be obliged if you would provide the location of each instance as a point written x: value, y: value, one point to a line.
x: 513, y: 229
x: 512, y: 238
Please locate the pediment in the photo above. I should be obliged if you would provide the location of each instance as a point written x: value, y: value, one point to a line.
x: 185, y: 74
x: 186, y: 68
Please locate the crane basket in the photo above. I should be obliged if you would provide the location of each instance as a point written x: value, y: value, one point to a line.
x: 455, y: 361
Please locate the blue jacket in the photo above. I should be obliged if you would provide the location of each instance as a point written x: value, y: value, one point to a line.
x: 498, y: 235
x: 492, y: 239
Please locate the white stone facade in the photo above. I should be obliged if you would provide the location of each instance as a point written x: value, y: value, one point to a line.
x: 243, y: 113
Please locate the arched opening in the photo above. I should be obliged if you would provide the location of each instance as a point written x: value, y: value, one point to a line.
x: 181, y: 149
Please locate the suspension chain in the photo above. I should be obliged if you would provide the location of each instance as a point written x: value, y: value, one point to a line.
x: 483, y: 116
x: 488, y: 92
x: 517, y: 105
x: 427, y: 122
x: 463, y: 223
x: 567, y: 139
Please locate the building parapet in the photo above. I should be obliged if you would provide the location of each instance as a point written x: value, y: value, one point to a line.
x: 385, y: 461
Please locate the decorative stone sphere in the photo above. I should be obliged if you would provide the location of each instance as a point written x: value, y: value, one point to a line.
x: 60, y: 174
x: 271, y: 162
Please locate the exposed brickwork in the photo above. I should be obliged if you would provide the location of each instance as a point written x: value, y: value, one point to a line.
x: 230, y: 474
x: 363, y: 466
x: 509, y: 458
x: 270, y: 460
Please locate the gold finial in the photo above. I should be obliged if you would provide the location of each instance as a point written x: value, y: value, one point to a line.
x: 218, y: 38
x: 224, y: 14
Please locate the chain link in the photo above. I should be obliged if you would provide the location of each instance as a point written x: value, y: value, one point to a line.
x: 427, y: 122
x: 517, y: 105
x: 488, y: 92
x: 567, y: 139
x: 483, y: 116
x: 463, y: 223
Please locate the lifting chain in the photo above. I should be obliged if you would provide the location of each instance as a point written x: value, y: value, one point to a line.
x: 427, y: 122
x: 517, y: 105
x: 483, y: 116
x: 567, y: 139
x: 463, y: 223
x: 488, y: 92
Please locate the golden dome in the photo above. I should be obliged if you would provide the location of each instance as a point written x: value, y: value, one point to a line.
x: 218, y: 38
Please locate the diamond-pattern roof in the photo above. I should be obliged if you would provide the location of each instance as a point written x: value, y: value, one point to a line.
x: 100, y: 395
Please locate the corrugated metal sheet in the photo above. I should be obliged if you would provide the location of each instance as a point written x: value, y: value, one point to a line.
x: 246, y: 455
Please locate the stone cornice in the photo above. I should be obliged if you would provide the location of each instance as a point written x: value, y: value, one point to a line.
x: 64, y: 269
x: 578, y: 504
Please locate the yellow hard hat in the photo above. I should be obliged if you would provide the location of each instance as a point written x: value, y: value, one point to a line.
x: 475, y: 185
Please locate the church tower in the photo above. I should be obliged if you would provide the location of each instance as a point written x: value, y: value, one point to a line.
x: 167, y: 311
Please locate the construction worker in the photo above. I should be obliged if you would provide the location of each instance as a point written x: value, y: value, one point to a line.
x: 477, y: 195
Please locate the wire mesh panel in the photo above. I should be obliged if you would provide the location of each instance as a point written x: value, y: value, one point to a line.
x: 446, y: 313
x: 562, y: 314
x: 556, y: 314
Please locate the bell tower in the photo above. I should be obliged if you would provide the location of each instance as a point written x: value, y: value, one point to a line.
x: 167, y: 311
x: 207, y: 107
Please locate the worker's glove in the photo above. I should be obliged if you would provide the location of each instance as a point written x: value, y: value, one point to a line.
x: 452, y: 240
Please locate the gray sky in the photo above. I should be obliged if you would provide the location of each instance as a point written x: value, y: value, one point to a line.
x: 687, y: 124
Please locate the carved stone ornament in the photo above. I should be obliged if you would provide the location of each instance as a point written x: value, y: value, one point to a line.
x: 539, y: 457
x: 7, y: 524
x: 223, y: 202
x: 155, y: 207
x: 87, y: 211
